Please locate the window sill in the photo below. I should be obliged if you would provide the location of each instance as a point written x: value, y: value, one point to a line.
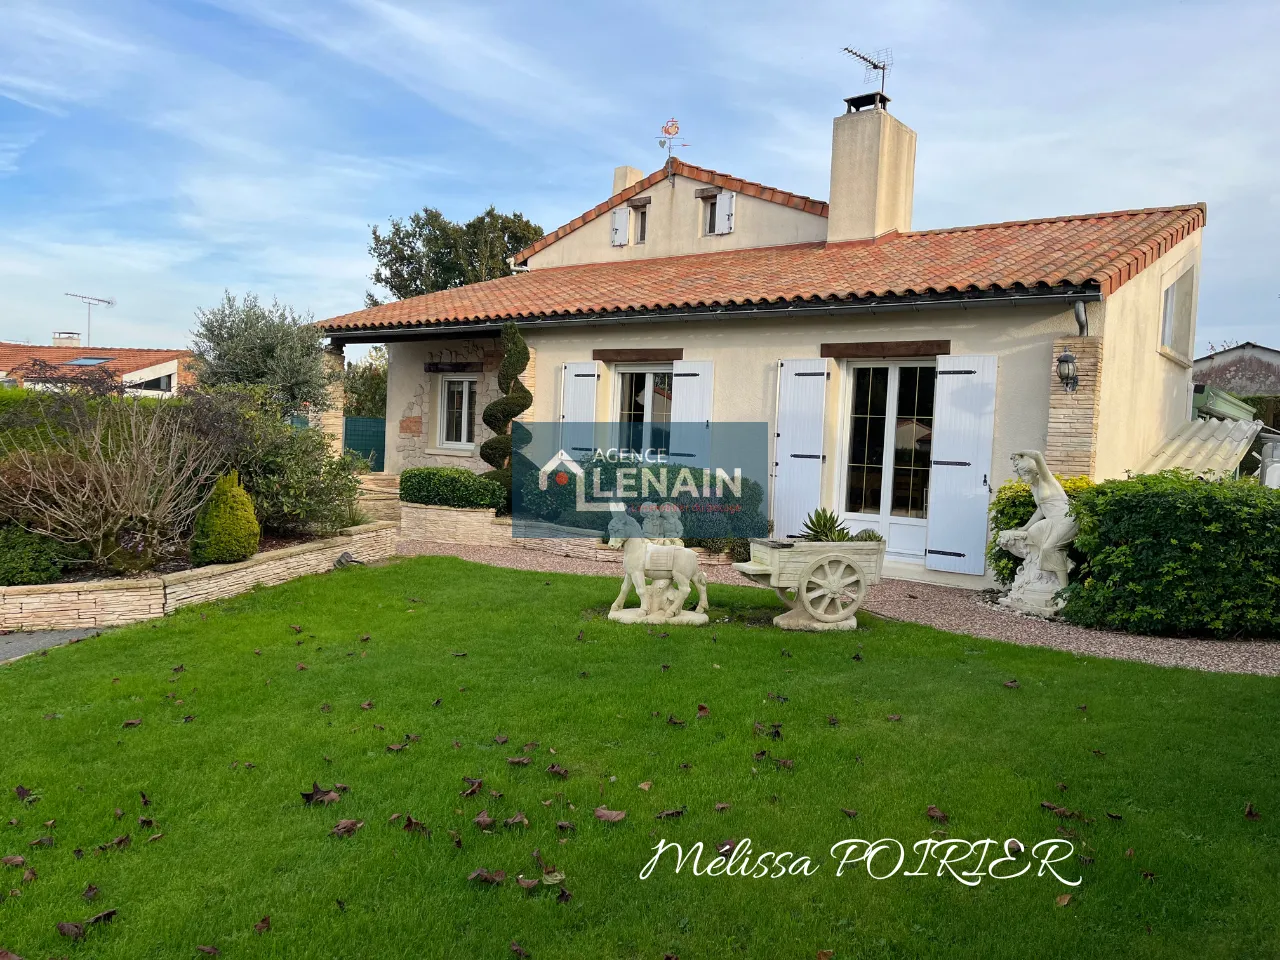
x: 1175, y: 357
x: 454, y: 450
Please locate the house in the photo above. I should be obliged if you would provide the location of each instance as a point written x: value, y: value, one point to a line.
x: 1246, y: 370
x: 898, y: 369
x: 154, y: 373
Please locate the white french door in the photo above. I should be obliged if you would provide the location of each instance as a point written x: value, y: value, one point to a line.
x: 888, y: 444
x: 644, y: 406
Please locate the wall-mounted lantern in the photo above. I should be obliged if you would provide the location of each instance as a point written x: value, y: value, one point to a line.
x: 1067, y: 371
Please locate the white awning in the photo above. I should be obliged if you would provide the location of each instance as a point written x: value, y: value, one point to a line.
x: 1208, y: 448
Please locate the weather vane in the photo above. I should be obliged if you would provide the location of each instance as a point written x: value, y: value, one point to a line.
x: 670, y: 133
x: 880, y: 62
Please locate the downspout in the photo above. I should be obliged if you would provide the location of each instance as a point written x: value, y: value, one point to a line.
x: 1082, y: 319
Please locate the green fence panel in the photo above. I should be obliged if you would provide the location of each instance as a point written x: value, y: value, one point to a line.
x: 367, y: 436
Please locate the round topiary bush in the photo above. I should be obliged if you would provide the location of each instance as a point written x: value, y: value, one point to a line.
x: 226, y: 528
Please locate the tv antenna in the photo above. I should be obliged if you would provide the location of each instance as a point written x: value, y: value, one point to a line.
x: 670, y: 133
x: 90, y: 303
x: 880, y: 62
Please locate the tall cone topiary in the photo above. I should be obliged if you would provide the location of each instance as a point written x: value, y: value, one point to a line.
x: 497, y: 416
x: 226, y: 529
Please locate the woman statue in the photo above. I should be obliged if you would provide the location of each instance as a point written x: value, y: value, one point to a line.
x: 1042, y: 541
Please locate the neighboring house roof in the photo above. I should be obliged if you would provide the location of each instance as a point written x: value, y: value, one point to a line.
x: 1246, y: 370
x: 1102, y: 251
x: 679, y: 168
x: 120, y: 361
x: 1208, y: 448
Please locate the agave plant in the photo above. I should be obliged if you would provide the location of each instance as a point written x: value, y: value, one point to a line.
x: 867, y: 535
x: 823, y: 526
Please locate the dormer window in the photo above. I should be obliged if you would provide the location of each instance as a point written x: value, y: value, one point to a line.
x: 639, y: 215
x: 642, y: 223
x: 717, y: 210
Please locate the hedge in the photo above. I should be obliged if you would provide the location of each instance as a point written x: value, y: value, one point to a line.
x: 1013, y: 506
x: 451, y: 487
x: 28, y: 559
x: 1171, y: 554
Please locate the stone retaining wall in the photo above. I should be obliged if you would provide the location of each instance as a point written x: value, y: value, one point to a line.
x: 108, y: 603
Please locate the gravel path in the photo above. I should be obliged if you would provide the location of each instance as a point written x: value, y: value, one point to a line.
x: 947, y: 608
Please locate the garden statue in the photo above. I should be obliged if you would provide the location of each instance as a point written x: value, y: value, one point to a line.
x: 672, y: 568
x: 1042, y: 541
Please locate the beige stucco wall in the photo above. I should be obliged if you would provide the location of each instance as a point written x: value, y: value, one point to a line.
x: 1145, y: 390
x: 746, y: 353
x: 675, y: 227
x: 873, y: 164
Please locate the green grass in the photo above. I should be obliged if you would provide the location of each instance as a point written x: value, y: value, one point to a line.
x: 1184, y: 752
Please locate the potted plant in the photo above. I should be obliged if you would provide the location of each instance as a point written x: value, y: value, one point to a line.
x: 866, y: 546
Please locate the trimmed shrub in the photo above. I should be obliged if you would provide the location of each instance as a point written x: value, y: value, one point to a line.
x: 497, y: 416
x: 226, y: 529
x: 1012, y: 507
x: 451, y: 487
x: 297, y: 485
x: 1171, y: 554
x: 28, y: 558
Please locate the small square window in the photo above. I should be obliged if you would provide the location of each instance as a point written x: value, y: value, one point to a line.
x: 458, y: 412
x: 642, y: 223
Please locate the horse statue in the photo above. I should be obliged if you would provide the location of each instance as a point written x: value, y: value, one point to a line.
x: 672, y: 568
x: 1042, y: 541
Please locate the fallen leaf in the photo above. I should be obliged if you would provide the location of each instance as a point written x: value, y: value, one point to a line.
x: 1250, y: 813
x: 857, y: 657
x: 894, y: 717
x: 367, y: 705
x: 106, y: 916
x: 1129, y: 853
x: 610, y: 816
x: 849, y: 813
x: 326, y: 708
x: 29, y: 876
x: 528, y: 883
x: 496, y: 794
x: 154, y: 837
x: 1083, y: 706
x: 395, y: 748
x: 531, y: 746
x: 722, y: 807
x: 933, y: 813
x: 519, y: 820
x: 1114, y: 816
x: 500, y: 739
x: 257, y: 653
x: 666, y: 667
x: 263, y: 925
x: 483, y: 820
x: 41, y: 842
x: 189, y: 718
x: 1062, y: 787
x: 519, y: 761
x: 558, y: 771
x: 415, y: 826
x: 670, y: 814
x: 437, y: 701
x: 646, y: 785
x: 784, y: 764
x: 565, y: 825
x: 1012, y: 684
x: 825, y: 954
x: 146, y: 801
x: 833, y: 720
x: 119, y: 843
x: 302, y: 666
x: 412, y: 737
x: 703, y: 711
x: 1063, y: 900
x: 320, y: 795
x: 1099, y: 753
x: 346, y: 828
x: 456, y: 837
x: 484, y: 876
x: 340, y: 787
x: 132, y: 723
x: 73, y: 930
x: 518, y: 950
x: 211, y: 951
x: 1148, y: 875
x: 90, y: 892
x: 473, y: 787
x: 759, y: 755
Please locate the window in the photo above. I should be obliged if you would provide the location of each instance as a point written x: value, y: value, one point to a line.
x: 1178, y: 317
x: 644, y: 408
x: 458, y: 411
x: 711, y: 215
x: 642, y: 223
x: 717, y: 210
x: 899, y: 488
x: 87, y: 361
x: 161, y: 384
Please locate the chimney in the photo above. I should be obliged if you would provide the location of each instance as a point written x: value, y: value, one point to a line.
x: 66, y: 338
x: 624, y: 177
x: 873, y: 171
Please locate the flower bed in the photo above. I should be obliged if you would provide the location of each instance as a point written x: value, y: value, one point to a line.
x: 106, y: 603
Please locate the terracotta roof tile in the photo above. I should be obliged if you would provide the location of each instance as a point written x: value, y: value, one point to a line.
x: 1104, y: 249
x: 680, y: 168
x: 120, y: 360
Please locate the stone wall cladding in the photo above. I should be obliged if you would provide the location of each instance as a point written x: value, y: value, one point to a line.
x: 1072, y: 444
x: 419, y: 420
x: 107, y: 603
x: 481, y: 527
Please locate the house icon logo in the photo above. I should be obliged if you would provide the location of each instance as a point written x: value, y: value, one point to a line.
x: 558, y: 470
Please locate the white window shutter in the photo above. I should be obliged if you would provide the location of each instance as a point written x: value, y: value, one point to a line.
x: 724, y: 211
x: 964, y: 416
x: 797, y: 482
x: 621, y: 226
x: 691, y: 392
x: 578, y: 407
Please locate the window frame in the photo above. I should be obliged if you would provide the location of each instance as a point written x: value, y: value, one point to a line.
x: 648, y: 369
x: 709, y: 215
x: 468, y: 414
x: 1168, y: 333
x: 642, y: 224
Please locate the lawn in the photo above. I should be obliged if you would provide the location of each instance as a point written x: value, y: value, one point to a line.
x: 1174, y: 755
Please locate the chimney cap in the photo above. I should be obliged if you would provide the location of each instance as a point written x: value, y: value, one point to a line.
x: 876, y: 100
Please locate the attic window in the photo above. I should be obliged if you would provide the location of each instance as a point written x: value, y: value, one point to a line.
x: 87, y: 361
x: 717, y: 210
x: 1178, y: 318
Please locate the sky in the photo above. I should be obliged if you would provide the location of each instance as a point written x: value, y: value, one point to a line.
x: 160, y: 152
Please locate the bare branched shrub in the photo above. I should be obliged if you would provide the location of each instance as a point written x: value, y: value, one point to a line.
x: 122, y: 476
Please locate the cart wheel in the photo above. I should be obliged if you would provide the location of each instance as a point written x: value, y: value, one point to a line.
x: 831, y: 588
x: 787, y: 595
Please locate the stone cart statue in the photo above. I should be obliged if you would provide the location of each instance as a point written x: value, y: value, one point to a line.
x: 663, y: 574
x: 1042, y: 541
